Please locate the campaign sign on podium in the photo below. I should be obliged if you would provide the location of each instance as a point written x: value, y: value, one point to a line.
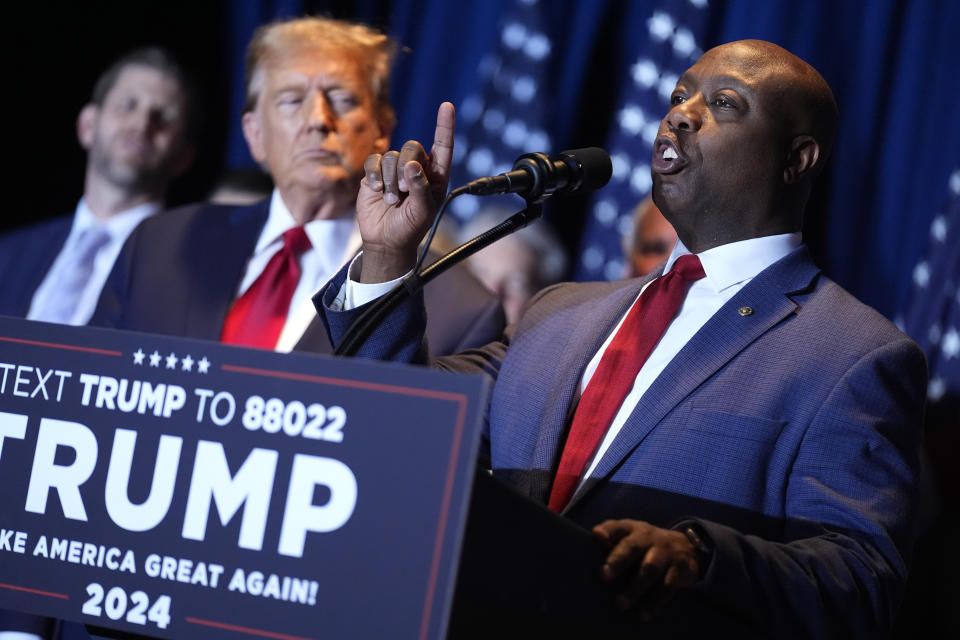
x: 177, y: 488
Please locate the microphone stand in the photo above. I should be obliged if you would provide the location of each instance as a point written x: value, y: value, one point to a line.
x: 379, y: 309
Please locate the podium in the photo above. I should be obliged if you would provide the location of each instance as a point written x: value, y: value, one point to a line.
x: 527, y: 572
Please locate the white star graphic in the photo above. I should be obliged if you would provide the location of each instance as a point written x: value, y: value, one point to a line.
x: 138, y: 356
x: 155, y: 359
x: 203, y: 364
x: 951, y: 344
x: 172, y: 361
x: 668, y: 83
x: 645, y: 73
x: 921, y: 275
x: 939, y: 228
x: 632, y: 119
x: 660, y: 26
x: 683, y: 43
x: 187, y: 362
x: 936, y: 389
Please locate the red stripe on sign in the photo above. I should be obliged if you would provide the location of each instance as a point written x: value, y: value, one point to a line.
x: 339, y: 382
x: 233, y: 627
x: 442, y: 523
x: 69, y: 347
x: 51, y: 594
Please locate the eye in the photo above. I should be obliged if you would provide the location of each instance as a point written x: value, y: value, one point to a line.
x: 289, y: 99
x: 342, y: 101
x: 676, y: 99
x: 724, y: 102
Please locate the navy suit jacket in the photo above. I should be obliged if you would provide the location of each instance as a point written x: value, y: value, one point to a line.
x: 26, y: 254
x: 178, y: 274
x: 790, y: 434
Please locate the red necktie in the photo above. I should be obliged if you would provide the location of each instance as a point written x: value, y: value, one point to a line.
x: 617, y: 372
x: 257, y: 317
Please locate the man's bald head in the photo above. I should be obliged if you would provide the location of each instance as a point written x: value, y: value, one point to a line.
x: 801, y: 98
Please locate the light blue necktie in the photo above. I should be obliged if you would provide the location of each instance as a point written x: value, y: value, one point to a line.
x: 71, y: 278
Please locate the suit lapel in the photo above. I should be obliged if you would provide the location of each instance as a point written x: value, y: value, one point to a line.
x: 723, y: 336
x: 584, y: 328
x: 220, y: 246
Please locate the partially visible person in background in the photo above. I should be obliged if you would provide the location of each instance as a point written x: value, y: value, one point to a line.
x: 515, y: 267
x: 136, y: 130
x: 650, y: 242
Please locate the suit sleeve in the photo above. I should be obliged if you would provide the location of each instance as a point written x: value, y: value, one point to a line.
x: 839, y: 570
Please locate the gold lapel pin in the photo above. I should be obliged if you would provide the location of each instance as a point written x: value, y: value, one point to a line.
x: 745, y: 311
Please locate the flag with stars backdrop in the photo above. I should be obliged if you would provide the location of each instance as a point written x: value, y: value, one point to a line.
x: 932, y: 315
x: 505, y: 117
x: 671, y: 42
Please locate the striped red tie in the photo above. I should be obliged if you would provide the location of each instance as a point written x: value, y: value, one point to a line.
x: 257, y: 317
x: 617, y: 372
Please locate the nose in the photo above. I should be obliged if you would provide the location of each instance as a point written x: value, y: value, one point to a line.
x: 685, y: 116
x: 320, y: 115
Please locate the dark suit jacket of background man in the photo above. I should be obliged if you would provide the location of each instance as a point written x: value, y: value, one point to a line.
x: 798, y: 423
x: 178, y: 275
x: 26, y: 254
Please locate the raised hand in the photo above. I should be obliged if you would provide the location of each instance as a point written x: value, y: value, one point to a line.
x: 399, y: 196
x: 651, y: 563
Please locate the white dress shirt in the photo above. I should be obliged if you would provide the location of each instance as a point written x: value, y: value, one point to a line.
x: 332, y: 243
x: 728, y: 269
x: 118, y: 226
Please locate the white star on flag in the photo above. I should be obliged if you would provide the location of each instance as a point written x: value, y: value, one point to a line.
x: 203, y: 365
x: 187, y: 362
x: 155, y: 359
x: 951, y: 344
x: 138, y: 356
x: 172, y: 361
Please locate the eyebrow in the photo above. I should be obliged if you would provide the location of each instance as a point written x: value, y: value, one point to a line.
x: 734, y: 82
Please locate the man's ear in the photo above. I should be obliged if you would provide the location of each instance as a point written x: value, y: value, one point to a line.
x: 253, y: 134
x: 802, y: 159
x: 86, y: 123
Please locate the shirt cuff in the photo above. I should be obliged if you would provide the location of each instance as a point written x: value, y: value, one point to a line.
x: 355, y: 294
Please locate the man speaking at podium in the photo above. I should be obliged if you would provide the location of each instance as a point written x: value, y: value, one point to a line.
x: 739, y: 431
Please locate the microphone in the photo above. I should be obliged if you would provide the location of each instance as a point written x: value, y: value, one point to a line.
x: 536, y: 176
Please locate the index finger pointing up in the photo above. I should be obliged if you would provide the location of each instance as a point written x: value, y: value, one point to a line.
x: 441, y: 155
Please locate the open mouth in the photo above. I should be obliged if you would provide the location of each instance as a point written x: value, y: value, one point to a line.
x: 666, y: 156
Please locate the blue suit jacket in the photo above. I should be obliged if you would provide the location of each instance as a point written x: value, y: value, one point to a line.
x: 790, y: 434
x: 26, y: 254
x: 178, y: 274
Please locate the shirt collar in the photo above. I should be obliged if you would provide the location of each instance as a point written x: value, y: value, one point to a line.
x: 119, y: 224
x: 732, y: 263
x: 325, y: 233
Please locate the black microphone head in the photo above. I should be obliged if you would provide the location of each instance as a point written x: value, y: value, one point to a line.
x: 591, y: 165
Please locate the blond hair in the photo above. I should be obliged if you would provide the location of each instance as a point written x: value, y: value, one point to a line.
x: 372, y: 50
